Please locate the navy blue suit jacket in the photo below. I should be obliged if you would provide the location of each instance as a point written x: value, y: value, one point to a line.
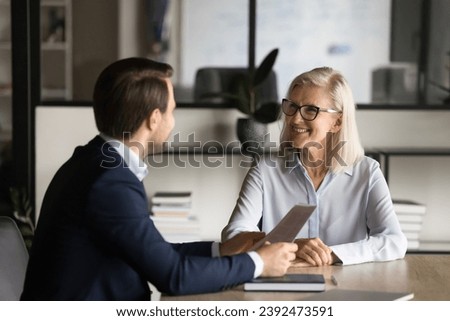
x: 95, y: 240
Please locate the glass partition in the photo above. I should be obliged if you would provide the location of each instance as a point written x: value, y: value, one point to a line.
x: 6, y: 159
x: 5, y: 72
x: 350, y: 36
x: 393, y: 52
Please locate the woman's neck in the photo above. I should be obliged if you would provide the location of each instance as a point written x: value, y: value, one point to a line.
x: 315, y: 165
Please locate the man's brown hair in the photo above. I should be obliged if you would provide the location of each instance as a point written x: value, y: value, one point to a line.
x: 126, y: 92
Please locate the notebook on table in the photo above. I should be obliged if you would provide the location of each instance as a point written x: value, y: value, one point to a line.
x: 288, y: 282
x: 286, y: 231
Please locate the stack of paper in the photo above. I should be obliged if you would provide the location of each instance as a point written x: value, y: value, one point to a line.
x: 171, y: 204
x: 410, y: 215
x: 172, y: 215
x: 178, y: 230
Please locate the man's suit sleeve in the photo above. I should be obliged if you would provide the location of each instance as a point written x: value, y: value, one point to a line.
x: 119, y: 220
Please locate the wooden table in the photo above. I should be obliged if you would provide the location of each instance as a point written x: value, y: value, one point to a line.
x: 428, y: 276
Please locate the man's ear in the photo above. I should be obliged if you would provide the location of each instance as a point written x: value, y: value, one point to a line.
x: 154, y: 119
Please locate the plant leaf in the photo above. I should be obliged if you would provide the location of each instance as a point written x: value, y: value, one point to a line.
x: 265, y: 68
x: 268, y: 112
x: 243, y: 95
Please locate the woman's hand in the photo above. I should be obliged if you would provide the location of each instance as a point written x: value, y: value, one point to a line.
x: 314, y: 252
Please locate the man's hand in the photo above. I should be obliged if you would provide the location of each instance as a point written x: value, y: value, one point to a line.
x: 314, y: 252
x: 277, y: 257
x: 241, y: 242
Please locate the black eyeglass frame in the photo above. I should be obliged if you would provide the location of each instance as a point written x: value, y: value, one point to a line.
x: 299, y: 108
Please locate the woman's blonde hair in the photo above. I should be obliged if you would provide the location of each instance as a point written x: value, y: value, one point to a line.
x: 342, y: 98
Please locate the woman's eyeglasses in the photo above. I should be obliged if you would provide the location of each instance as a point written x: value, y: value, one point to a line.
x: 308, y: 112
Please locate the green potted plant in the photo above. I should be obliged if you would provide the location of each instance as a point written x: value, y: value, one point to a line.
x: 251, y: 131
x: 250, y: 91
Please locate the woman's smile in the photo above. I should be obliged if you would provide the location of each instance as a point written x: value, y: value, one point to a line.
x: 299, y: 130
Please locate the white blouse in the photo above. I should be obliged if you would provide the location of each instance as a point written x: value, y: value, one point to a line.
x: 354, y: 213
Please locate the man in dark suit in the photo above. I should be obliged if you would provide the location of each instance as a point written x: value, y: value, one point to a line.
x: 95, y: 240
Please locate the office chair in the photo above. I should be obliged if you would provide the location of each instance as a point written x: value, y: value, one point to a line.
x: 13, y: 260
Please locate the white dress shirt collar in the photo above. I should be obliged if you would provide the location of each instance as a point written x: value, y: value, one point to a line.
x: 292, y: 161
x: 136, y: 165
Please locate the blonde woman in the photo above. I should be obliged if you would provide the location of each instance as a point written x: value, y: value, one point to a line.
x: 322, y: 163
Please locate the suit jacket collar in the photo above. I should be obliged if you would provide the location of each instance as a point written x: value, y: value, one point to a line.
x: 129, y: 158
